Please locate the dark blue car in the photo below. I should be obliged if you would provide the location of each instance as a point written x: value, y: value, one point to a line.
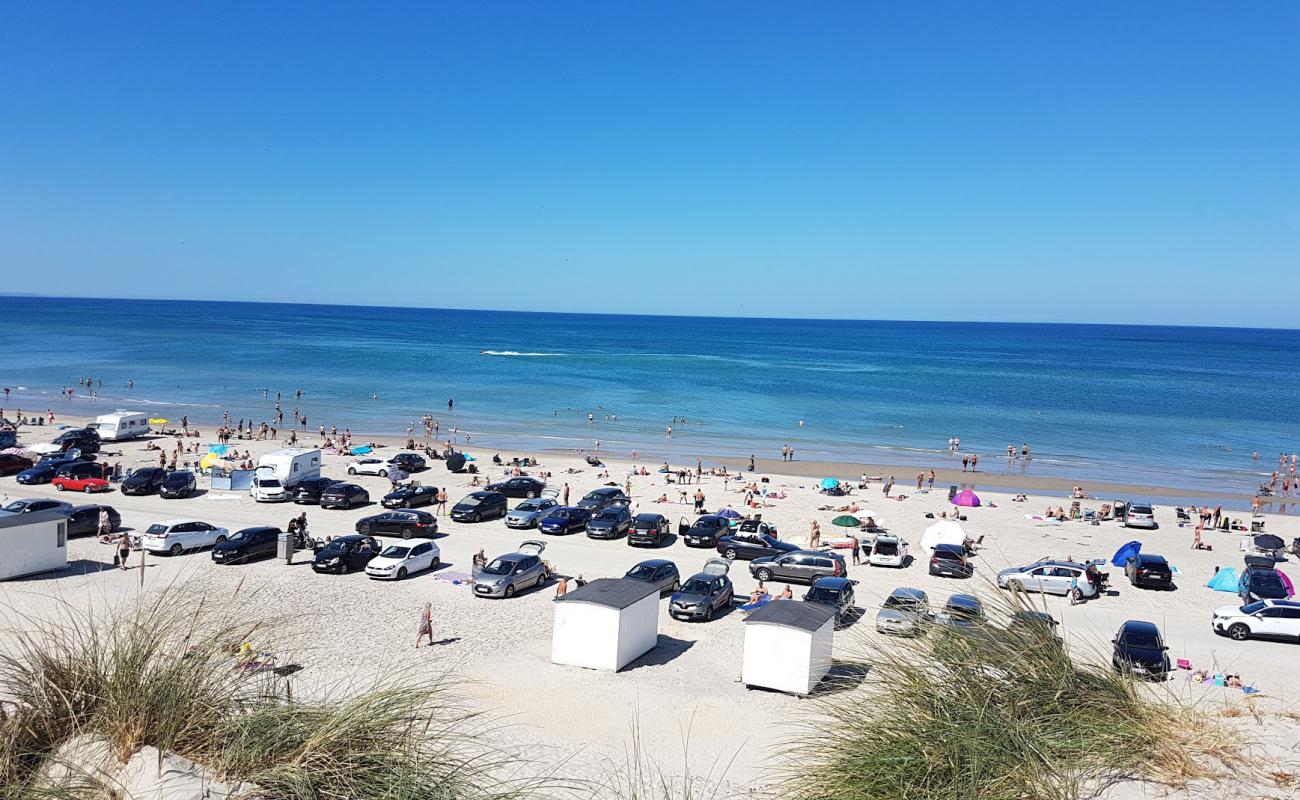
x: 564, y: 520
x: 41, y: 473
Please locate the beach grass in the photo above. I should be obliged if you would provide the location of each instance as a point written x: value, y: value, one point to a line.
x: 996, y: 713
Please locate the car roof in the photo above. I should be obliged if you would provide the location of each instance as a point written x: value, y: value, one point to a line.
x: 649, y: 517
x: 1283, y: 603
x: 481, y: 495
x: 603, y: 490
x: 96, y: 506
x: 831, y: 582
x: 950, y: 548
x: 351, y: 537
x: 1151, y: 557
x: 909, y: 593
x: 653, y: 562
x: 256, y: 528
x: 1140, y: 626
x: 965, y: 601
x: 176, y: 521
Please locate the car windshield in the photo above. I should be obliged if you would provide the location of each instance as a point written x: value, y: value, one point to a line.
x: 336, y: 546
x: 469, y: 501
x: 641, y: 571
x: 269, y: 483
x: 820, y: 594
x: 708, y: 522
x: 697, y: 586
x: 1143, y: 639
x: 17, y: 505
x: 610, y: 515
x: 951, y: 555
x: 1252, y: 608
x: 395, y: 551
x: 178, y: 477
x: 963, y: 612
x: 898, y: 601
x: 499, y: 566
x: 156, y: 529
x: 561, y: 513
x: 239, y: 536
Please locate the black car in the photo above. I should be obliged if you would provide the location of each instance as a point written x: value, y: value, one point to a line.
x: 598, y: 499
x: 12, y: 463
x: 80, y: 469
x: 246, y: 545
x: 524, y: 487
x: 1261, y: 583
x: 346, y: 554
x: 704, y: 532
x: 344, y: 495
x: 651, y: 529
x: 951, y: 560
x: 1139, y: 649
x: 180, y: 483
x: 308, y: 491
x: 478, y: 506
x: 1146, y: 569
x: 610, y: 523
x: 834, y: 592
x: 660, y: 572
x: 800, y: 566
x: 31, y: 505
x: 83, y: 439
x: 84, y: 520
x: 747, y: 546
x: 410, y: 497
x: 409, y: 462
x: 405, y: 523
x: 143, y: 481
x: 43, y: 472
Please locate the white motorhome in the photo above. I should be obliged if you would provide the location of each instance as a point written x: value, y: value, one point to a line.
x: 289, y: 466
x: 33, y: 543
x: 121, y: 425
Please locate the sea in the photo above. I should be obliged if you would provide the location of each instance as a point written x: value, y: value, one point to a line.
x: 1183, y: 407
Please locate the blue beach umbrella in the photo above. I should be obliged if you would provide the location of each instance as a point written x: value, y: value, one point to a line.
x: 829, y: 483
x: 728, y: 513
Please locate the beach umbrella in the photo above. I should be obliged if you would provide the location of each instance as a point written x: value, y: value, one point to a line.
x: 1267, y: 541
x: 219, y: 449
x: 944, y: 531
x: 966, y: 498
x: 846, y: 521
x: 455, y: 462
x: 158, y: 422
x: 398, y: 475
x: 829, y: 483
x: 729, y: 513
x: 1125, y: 552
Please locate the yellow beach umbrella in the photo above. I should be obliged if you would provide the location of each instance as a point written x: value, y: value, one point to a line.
x: 158, y: 422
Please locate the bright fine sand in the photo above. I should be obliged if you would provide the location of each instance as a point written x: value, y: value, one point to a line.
x: 349, y: 630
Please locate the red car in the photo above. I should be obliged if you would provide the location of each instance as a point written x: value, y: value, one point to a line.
x: 87, y: 485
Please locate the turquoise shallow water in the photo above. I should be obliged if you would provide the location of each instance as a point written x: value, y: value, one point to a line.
x: 1167, y: 405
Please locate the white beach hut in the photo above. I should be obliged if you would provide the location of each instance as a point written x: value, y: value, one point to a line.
x: 942, y: 532
x: 606, y: 624
x: 788, y: 646
x: 32, y: 543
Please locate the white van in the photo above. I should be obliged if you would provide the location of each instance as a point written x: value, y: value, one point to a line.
x: 121, y: 425
x: 289, y: 467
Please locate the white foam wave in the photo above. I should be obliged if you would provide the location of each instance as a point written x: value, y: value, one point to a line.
x: 516, y: 353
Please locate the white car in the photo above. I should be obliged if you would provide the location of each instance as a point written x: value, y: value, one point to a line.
x: 268, y: 490
x: 175, y: 536
x: 1263, y: 619
x: 888, y: 551
x: 399, y: 560
x: 371, y: 466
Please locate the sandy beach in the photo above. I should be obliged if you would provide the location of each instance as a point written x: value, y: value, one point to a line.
x: 346, y: 630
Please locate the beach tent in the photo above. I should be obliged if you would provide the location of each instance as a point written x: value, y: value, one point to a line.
x: 966, y: 498
x: 1225, y: 580
x: 788, y: 646
x: 943, y: 532
x: 1125, y: 552
x: 606, y: 624
x: 829, y: 483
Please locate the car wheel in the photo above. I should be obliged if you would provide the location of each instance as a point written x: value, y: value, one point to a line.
x: 476, y: 518
x: 383, y: 473
x: 1239, y: 632
x: 708, y: 613
x: 343, y: 568
x: 677, y: 586
x: 435, y: 563
x: 401, y: 573
x: 352, y: 471
x: 176, y: 549
x: 87, y: 489
x: 530, y: 495
x: 59, y: 486
x: 220, y: 539
x: 730, y: 554
x: 364, y: 530
x: 407, y: 533
x: 510, y: 590
x: 763, y: 575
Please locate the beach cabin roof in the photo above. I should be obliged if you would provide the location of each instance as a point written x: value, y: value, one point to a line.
x: 18, y: 520
x: 617, y: 593
x: 793, y: 614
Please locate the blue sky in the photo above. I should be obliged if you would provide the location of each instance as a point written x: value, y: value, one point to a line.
x: 1092, y: 162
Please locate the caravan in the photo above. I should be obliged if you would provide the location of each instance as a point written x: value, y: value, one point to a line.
x: 280, y: 472
x: 121, y: 425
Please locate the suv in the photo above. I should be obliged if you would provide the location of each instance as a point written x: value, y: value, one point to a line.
x: 506, y: 575
x: 346, y: 554
x: 1148, y: 569
x: 705, y: 531
x: 598, y: 499
x: 904, y: 612
x: 523, y: 487
x: 801, y: 566
x: 246, y: 545
x: 611, y: 523
x: 408, y: 462
x: 145, y: 480
x: 963, y: 612
x: 704, y: 593
x: 1140, y: 515
x: 950, y: 559
x: 834, y: 592
x: 84, y: 520
x: 406, y: 523
x: 651, y: 529
x: 1261, y: 583
x: 309, y: 490
x: 889, y: 551
x: 344, y: 495
x: 180, y: 483
x: 478, y: 506
x: 83, y: 439
x: 1265, y: 619
x: 1140, y: 650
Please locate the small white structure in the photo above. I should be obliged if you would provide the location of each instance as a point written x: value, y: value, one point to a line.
x: 942, y: 532
x: 788, y: 646
x: 121, y: 425
x: 289, y: 466
x: 32, y: 543
x: 607, y: 624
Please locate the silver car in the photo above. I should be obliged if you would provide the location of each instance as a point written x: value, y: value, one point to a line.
x: 507, y: 575
x: 1140, y: 515
x: 1048, y: 577
x: 530, y: 512
x: 904, y: 613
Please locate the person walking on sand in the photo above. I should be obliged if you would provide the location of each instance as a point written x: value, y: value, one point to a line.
x: 920, y: 479
x: 699, y: 501
x: 442, y: 501
x: 123, y: 550
x: 565, y: 500
x: 426, y: 625
x: 815, y: 537
x: 479, y: 563
x: 856, y: 546
x: 751, y: 462
x: 889, y: 486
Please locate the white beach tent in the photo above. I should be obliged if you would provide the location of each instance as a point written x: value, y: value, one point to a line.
x: 32, y: 543
x: 942, y: 532
x: 607, y: 624
x: 788, y: 646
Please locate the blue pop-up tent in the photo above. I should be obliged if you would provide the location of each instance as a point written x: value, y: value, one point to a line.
x: 1125, y: 552
x: 1225, y: 580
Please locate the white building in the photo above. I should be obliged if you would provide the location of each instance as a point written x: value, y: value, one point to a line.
x: 788, y: 646
x: 32, y: 543
x: 606, y: 624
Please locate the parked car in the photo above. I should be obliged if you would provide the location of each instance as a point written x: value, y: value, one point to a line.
x: 1263, y: 619
x: 308, y: 491
x: 397, y: 561
x: 180, y: 483
x: 704, y: 593
x: 507, y: 575
x: 1140, y: 650
x: 478, y: 506
x: 951, y: 560
x: 598, y: 499
x: 661, y: 572
x: 962, y: 611
x: 344, y: 495
x: 408, y: 462
x: 42, y: 472
x: 1149, y: 570
x: 834, y: 592
x: 31, y: 505
x: 651, y: 529
x: 175, y: 536
x: 410, y: 496
x: 800, y: 566
x: 905, y: 612
x: 1038, y: 623
x: 84, y: 439
x: 1049, y: 577
x: 756, y: 527
x: 522, y: 486
x: 1140, y: 515
x: 611, y: 523
x: 564, y: 520
x: 1261, y: 583
x: 84, y: 520
x: 406, y: 523
x: 88, y: 485
x: 747, y: 546
x: 267, y: 489
x: 145, y: 480
x: 530, y: 512
x: 889, y: 551
x: 79, y: 469
x: 346, y: 554
x: 371, y: 465
x: 704, y: 532
x: 12, y: 464
x: 246, y: 545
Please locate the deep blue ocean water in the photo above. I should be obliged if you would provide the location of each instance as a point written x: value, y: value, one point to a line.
x: 1176, y: 406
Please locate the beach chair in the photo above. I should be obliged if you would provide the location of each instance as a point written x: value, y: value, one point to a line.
x: 1183, y: 516
x: 1184, y: 664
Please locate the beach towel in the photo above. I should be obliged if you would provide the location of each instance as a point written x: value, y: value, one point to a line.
x: 762, y: 601
x: 1225, y: 580
x: 360, y: 451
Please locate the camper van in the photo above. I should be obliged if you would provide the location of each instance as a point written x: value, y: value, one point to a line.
x: 121, y: 425
x: 289, y: 467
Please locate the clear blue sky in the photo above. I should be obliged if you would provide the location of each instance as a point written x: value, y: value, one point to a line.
x: 1008, y: 161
